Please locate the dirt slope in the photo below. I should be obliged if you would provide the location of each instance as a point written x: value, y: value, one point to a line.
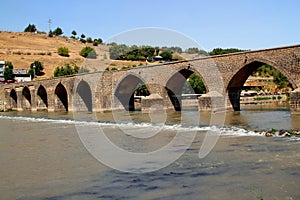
x: 24, y: 48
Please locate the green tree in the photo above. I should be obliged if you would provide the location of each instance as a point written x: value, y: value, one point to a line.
x: 96, y: 42
x: 220, y: 51
x: 50, y: 34
x: 280, y: 80
x: 88, y: 52
x: 38, y: 67
x: 30, y: 28
x: 9, y: 64
x: 74, y: 34
x: 89, y: 40
x: 66, y: 70
x: 166, y: 55
x: 196, y: 84
x: 58, y: 31
x: 142, y: 90
x: 63, y: 51
x: 8, y: 71
x: 8, y: 74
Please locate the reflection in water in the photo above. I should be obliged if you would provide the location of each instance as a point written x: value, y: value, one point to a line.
x: 42, y: 157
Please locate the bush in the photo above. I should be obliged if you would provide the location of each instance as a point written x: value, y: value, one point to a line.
x: 63, y: 51
x: 38, y: 68
x: 167, y: 56
x: 89, y: 40
x: 88, y: 52
x: 58, y: 31
x: 30, y: 28
x: 66, y: 70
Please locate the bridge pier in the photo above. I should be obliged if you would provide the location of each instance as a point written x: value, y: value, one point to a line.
x: 19, y: 98
x: 152, y: 103
x: 234, y: 95
x: 32, y: 94
x: 212, y: 101
x: 295, y: 101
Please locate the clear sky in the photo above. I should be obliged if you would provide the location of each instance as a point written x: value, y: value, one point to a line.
x: 244, y: 24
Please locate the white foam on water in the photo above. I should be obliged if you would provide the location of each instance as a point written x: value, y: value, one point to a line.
x: 225, y: 131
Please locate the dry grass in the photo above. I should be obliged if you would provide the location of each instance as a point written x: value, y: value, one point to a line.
x: 24, y: 48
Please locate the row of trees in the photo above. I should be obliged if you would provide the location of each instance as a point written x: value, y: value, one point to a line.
x: 58, y: 32
x: 134, y: 52
x: 68, y: 70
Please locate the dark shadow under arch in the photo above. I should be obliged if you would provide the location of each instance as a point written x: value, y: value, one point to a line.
x: 27, y: 97
x: 62, y: 95
x: 84, y: 91
x: 42, y: 93
x: 126, y: 89
x: 236, y: 83
x: 14, y: 97
x: 174, y: 86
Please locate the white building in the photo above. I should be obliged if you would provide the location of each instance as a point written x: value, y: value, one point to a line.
x: 2, y: 66
x: 21, y: 75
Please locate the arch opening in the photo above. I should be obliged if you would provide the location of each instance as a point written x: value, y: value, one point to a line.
x: 14, y: 98
x: 26, y: 98
x: 85, y: 93
x: 42, y: 101
x: 257, y: 83
x: 130, y: 91
x: 183, y: 85
x: 61, y: 102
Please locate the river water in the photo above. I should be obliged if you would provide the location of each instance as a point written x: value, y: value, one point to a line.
x: 42, y: 157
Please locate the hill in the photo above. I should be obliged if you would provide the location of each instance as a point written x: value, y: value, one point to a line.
x: 24, y: 48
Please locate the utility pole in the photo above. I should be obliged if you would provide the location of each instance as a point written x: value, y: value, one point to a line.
x: 49, y: 23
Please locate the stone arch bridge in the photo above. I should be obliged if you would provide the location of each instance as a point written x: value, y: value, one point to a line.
x: 222, y: 75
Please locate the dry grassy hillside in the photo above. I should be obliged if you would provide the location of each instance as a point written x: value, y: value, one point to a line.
x: 24, y: 48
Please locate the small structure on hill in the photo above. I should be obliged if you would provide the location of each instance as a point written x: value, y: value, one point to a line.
x: 21, y: 75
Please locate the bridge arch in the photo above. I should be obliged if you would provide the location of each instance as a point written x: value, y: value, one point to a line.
x: 175, y: 83
x: 26, y: 98
x: 42, y: 100
x: 239, y: 77
x: 83, y: 90
x: 125, y: 90
x: 14, y: 99
x: 61, y: 98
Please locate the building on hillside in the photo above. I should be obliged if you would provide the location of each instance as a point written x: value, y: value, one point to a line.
x: 21, y: 75
x: 2, y: 66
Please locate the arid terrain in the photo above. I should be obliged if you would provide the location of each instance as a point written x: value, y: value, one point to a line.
x: 22, y: 49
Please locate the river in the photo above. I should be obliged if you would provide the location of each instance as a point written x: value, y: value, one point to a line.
x: 42, y: 157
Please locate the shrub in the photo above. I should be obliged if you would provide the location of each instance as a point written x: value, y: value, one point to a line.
x: 63, y: 51
x: 89, y: 40
x: 66, y: 70
x: 58, y: 31
x: 30, y: 28
x: 88, y: 52
x: 38, y: 66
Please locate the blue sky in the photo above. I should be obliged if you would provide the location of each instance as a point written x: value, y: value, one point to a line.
x: 245, y: 24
